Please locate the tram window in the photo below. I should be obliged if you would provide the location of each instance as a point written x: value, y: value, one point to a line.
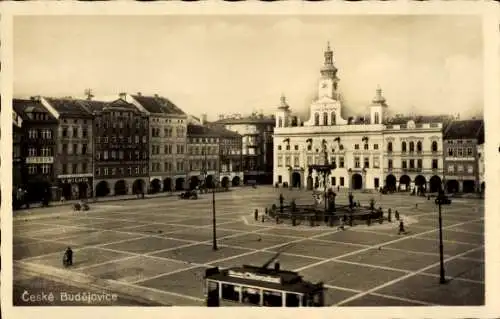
x: 316, y: 300
x: 229, y: 292
x: 292, y: 300
x: 251, y: 296
x: 212, y: 286
x: 272, y: 299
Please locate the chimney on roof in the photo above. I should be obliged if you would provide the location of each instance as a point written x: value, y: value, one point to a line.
x: 221, y: 116
x: 203, y: 119
x: 156, y: 95
x: 88, y: 93
x: 139, y: 94
x: 35, y: 98
x: 122, y: 95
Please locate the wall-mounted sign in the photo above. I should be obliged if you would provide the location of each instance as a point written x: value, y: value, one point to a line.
x: 40, y: 160
x: 75, y: 175
x: 18, y: 121
x: 75, y: 180
x: 253, y: 276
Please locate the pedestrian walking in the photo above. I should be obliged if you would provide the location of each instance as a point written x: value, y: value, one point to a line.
x: 389, y: 217
x: 68, y: 257
x: 256, y: 215
x: 396, y: 214
x: 341, y: 224
x: 401, y: 228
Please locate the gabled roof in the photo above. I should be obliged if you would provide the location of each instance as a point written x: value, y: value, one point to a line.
x: 23, y: 107
x: 248, y: 120
x: 200, y: 130
x: 465, y: 129
x: 158, y: 104
x: 68, y: 107
x: 93, y: 106
x: 222, y: 131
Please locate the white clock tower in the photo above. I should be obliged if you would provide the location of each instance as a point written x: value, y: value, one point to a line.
x: 329, y: 80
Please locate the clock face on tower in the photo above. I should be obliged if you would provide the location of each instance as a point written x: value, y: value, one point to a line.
x: 325, y: 88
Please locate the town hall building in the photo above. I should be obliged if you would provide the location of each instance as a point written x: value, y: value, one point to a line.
x: 369, y: 152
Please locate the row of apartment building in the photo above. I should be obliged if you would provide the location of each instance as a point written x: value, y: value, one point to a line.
x: 377, y: 149
x: 79, y: 148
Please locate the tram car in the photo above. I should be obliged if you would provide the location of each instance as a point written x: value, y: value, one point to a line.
x: 260, y: 287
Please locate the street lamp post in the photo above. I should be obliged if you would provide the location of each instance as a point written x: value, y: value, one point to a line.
x: 214, y: 239
x: 439, y: 201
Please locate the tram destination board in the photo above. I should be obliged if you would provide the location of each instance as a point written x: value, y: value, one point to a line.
x: 257, y: 286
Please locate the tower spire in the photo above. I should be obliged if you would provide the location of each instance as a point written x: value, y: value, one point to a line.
x: 379, y: 98
x: 329, y: 70
x: 283, y: 103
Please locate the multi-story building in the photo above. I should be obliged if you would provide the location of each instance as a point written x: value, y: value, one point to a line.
x: 38, y: 149
x: 167, y: 136
x: 230, y: 157
x: 203, y: 164
x: 17, y: 159
x: 413, y: 148
x: 480, y: 160
x: 121, y: 147
x: 73, y: 165
x: 369, y: 152
x: 461, y: 157
x: 257, y: 144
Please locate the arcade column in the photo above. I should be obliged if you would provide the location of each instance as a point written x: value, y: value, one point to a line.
x: 349, y: 179
x: 460, y: 186
x: 363, y: 184
x: 111, y: 189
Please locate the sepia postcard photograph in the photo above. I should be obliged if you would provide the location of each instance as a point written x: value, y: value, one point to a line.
x: 246, y: 160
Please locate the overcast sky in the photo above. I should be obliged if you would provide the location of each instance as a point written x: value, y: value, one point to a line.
x: 240, y: 64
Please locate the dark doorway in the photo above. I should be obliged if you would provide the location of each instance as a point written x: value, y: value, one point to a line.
x: 138, y: 186
x: 469, y: 186
x: 309, y: 183
x: 102, y: 189
x: 179, y: 184
x: 405, y: 181
x: 390, y: 182
x: 82, y: 190
x: 155, y: 186
x: 225, y: 182
x: 482, y: 187
x: 357, y: 181
x: 121, y: 187
x: 236, y: 181
x: 66, y: 191
x: 296, y: 179
x: 435, y: 184
x: 376, y: 183
x: 420, y: 181
x: 452, y: 186
x: 167, y: 185
x: 209, y: 181
x: 194, y: 181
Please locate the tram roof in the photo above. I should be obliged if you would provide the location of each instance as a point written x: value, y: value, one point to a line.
x: 289, y: 281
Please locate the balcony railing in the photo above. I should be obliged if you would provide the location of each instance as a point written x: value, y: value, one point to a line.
x: 414, y: 170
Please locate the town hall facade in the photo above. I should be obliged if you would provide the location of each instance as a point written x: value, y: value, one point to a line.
x: 369, y: 152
